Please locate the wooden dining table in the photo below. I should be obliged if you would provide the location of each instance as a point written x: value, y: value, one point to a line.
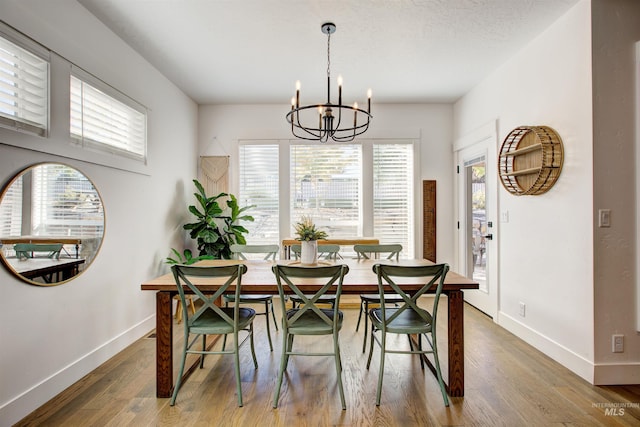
x: 259, y: 279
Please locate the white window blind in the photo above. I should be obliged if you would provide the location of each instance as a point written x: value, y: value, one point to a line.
x: 259, y: 180
x: 326, y: 185
x: 65, y: 203
x: 24, y: 88
x: 101, y: 121
x: 393, y: 195
x: 11, y: 209
x: 327, y: 182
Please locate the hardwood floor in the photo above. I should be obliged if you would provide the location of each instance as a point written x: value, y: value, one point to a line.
x: 508, y: 383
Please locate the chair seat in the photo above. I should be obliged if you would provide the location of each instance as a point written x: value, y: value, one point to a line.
x: 408, y: 322
x: 375, y: 298
x: 311, y: 324
x: 211, y: 323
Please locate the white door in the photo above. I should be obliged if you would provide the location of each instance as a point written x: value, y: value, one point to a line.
x: 477, y: 242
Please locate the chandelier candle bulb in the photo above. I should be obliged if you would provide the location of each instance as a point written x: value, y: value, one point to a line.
x: 355, y: 114
x: 298, y: 94
x: 339, y: 89
x: 369, y: 101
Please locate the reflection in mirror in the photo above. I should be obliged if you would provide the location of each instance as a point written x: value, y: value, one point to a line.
x: 51, y: 224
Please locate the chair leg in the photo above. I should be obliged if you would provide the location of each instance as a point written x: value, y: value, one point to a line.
x: 204, y: 347
x: 180, y: 373
x: 178, y: 315
x: 336, y: 349
x: 366, y: 325
x: 371, y: 340
x: 253, y: 350
x: 237, y: 368
x: 381, y: 373
x: 360, y: 314
x: 266, y: 315
x: 273, y: 313
x: 436, y: 359
x: 283, y: 365
x: 224, y: 340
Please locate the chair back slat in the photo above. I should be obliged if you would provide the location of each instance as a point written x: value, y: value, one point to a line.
x: 331, y: 276
x: 269, y: 251
x: 230, y: 274
x: 388, y: 275
x: 369, y: 251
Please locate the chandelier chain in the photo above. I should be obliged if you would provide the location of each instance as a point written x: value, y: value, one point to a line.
x: 329, y: 55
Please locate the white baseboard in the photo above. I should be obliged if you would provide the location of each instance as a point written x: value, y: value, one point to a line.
x: 616, y: 374
x: 28, y: 401
x: 567, y: 358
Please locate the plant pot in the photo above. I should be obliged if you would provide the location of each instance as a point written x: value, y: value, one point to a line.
x: 309, y: 252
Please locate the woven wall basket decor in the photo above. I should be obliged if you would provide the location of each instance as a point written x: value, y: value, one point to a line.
x: 530, y: 160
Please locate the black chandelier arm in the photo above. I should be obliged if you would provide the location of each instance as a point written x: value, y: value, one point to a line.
x: 327, y: 129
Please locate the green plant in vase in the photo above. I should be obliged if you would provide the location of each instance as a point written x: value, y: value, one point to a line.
x: 308, y: 235
x: 306, y: 230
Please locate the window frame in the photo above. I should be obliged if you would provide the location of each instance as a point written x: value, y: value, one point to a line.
x: 36, y: 50
x: 113, y: 94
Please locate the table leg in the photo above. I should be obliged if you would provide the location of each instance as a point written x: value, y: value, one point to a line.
x: 164, y: 344
x: 456, y: 343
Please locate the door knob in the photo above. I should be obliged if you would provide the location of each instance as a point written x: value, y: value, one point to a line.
x: 489, y: 237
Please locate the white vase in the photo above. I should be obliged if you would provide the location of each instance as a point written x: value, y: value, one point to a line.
x: 309, y: 252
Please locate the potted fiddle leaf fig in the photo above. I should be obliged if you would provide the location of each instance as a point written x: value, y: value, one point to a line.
x: 217, y: 227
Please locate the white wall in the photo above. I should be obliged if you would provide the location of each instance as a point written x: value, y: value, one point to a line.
x: 616, y: 30
x: 221, y: 126
x: 51, y: 337
x: 546, y: 248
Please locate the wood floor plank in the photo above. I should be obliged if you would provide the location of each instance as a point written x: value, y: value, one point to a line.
x: 508, y: 383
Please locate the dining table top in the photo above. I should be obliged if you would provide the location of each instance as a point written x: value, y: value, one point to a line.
x: 259, y: 277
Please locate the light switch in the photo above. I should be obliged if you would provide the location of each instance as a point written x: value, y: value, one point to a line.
x: 604, y: 218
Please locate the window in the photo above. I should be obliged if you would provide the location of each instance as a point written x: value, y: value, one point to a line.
x: 326, y: 185
x: 102, y: 122
x: 393, y: 194
x: 260, y: 183
x: 24, y: 84
x: 363, y: 189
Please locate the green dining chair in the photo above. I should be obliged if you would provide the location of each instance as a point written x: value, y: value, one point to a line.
x: 308, y: 318
x: 266, y: 252
x: 408, y: 318
x: 29, y: 250
x: 389, y: 251
x: 211, y: 319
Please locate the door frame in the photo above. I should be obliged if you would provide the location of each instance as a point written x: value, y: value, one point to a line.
x: 482, y: 141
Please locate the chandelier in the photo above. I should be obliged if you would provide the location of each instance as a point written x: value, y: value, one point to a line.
x: 321, y: 122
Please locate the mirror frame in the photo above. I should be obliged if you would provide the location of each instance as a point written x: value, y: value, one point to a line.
x: 5, y: 262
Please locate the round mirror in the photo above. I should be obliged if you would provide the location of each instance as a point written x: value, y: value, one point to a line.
x: 51, y: 224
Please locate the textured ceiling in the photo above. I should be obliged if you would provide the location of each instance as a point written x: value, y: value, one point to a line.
x: 253, y: 51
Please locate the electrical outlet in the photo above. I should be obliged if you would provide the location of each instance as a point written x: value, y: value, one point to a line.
x: 522, y: 309
x: 617, y: 343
